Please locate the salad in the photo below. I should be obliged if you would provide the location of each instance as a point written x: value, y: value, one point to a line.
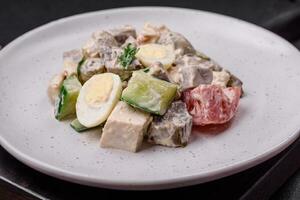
x: 151, y: 85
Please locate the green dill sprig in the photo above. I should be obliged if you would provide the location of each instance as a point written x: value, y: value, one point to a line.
x: 128, y: 55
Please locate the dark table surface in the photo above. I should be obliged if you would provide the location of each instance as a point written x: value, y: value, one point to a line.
x: 18, y: 181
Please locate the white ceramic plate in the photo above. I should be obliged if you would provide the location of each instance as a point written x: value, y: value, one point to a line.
x: 268, y: 119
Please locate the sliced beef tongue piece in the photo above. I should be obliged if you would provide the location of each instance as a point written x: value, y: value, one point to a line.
x: 157, y: 70
x: 130, y: 40
x: 173, y: 129
x: 189, y: 72
x: 90, y: 67
x: 99, y: 44
x: 104, y: 38
x: 179, y: 42
x: 150, y: 33
x: 123, y: 33
x: 112, y: 64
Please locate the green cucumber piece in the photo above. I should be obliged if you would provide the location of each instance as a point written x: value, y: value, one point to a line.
x: 78, y: 68
x: 148, y: 93
x: 66, y: 101
x: 77, y: 126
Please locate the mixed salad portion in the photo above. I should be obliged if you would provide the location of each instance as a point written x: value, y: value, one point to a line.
x: 152, y: 85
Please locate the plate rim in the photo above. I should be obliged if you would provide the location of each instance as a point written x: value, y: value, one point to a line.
x: 137, y: 184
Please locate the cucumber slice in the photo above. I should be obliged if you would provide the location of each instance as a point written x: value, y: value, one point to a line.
x: 66, y: 101
x: 79, y: 67
x: 75, y: 124
x: 148, y: 93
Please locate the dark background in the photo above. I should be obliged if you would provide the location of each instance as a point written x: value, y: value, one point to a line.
x: 20, y: 16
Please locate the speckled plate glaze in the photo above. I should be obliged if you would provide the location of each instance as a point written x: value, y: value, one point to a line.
x: 268, y: 119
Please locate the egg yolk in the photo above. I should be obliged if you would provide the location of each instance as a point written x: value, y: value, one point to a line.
x: 99, y: 90
x: 154, y: 51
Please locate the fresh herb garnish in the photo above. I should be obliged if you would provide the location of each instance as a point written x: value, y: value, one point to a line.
x: 128, y: 55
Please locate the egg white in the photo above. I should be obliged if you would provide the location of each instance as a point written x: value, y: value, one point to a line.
x: 91, y: 116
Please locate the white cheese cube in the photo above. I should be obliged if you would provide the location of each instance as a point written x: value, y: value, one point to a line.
x: 71, y: 60
x: 125, y: 128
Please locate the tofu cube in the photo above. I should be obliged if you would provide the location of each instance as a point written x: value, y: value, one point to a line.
x: 125, y: 128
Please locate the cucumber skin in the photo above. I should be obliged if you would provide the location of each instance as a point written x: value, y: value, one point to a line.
x: 75, y: 124
x: 78, y: 127
x: 132, y: 103
x: 66, y: 102
x: 79, y: 70
x: 65, y: 109
x: 59, y: 102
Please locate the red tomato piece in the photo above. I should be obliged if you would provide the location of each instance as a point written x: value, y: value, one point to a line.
x: 212, y: 104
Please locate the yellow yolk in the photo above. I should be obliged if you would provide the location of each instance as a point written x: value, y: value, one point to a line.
x: 154, y: 52
x: 99, y: 90
x: 149, y: 54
